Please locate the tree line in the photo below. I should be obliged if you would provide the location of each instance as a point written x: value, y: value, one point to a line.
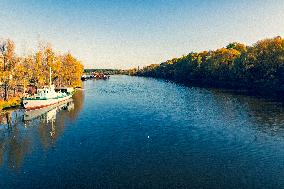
x: 260, y: 66
x: 108, y: 71
x: 18, y: 72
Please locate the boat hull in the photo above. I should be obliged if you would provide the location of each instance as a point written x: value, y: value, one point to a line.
x: 41, y: 103
x: 33, y: 114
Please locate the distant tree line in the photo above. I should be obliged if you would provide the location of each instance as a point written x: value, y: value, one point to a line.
x: 260, y: 66
x: 106, y: 71
x: 17, y: 72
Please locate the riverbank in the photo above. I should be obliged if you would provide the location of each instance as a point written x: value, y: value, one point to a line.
x: 258, y: 68
x: 25, y: 74
x: 16, y: 101
x: 13, y: 102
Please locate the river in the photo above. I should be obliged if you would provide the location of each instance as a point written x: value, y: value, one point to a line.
x: 134, y: 132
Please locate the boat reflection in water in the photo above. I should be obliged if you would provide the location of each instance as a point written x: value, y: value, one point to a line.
x: 23, y: 132
x: 48, y: 113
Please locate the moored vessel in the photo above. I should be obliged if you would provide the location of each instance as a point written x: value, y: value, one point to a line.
x: 45, y: 97
x: 29, y: 115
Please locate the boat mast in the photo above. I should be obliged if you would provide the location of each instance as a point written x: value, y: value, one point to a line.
x: 49, y: 76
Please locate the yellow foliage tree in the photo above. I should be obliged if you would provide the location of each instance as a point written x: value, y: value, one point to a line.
x: 18, y: 72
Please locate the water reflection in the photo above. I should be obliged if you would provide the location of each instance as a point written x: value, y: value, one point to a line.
x: 21, y: 130
x: 13, y: 145
x: 266, y: 115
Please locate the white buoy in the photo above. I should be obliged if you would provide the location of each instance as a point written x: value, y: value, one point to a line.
x: 148, y: 136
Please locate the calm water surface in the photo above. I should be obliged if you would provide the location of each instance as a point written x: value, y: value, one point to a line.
x: 131, y: 132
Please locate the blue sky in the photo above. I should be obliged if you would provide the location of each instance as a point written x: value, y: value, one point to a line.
x: 131, y: 33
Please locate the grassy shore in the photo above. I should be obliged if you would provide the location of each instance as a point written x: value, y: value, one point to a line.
x: 16, y: 101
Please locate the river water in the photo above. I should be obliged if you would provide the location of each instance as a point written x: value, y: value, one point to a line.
x: 134, y: 132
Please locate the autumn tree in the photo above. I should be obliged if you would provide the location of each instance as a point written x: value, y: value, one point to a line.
x: 18, y: 72
x: 260, y: 65
x: 8, y: 61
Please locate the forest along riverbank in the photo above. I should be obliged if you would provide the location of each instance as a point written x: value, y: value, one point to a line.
x: 25, y: 74
x: 258, y: 68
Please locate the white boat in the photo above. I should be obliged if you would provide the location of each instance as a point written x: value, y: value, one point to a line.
x: 45, y: 97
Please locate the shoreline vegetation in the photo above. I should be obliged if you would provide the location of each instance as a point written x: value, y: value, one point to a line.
x: 258, y: 68
x: 107, y: 71
x: 20, y: 74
